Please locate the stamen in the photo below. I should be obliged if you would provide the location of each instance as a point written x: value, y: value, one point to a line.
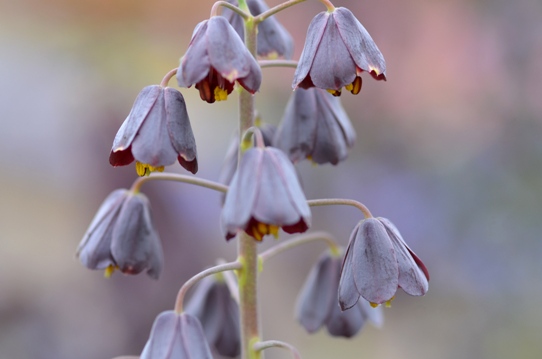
x: 356, y: 86
x: 220, y: 94
x: 335, y: 93
x: 110, y: 270
x: 144, y: 169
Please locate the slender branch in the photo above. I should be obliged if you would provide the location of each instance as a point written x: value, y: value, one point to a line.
x: 340, y: 201
x: 299, y: 240
x: 259, y: 346
x: 264, y: 15
x: 255, y: 132
x: 216, y: 5
x: 179, y: 178
x: 330, y: 7
x: 231, y: 282
x: 189, y: 283
x: 168, y: 77
x: 277, y: 63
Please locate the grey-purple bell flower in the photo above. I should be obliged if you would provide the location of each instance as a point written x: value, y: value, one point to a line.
x: 217, y: 57
x: 121, y: 236
x: 315, y: 126
x: 176, y: 336
x: 218, y: 313
x: 265, y: 195
x: 337, y: 50
x: 229, y: 166
x: 318, y: 304
x: 156, y: 133
x: 377, y: 262
x: 273, y: 40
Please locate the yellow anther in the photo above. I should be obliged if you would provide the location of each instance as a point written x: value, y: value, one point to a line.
x: 110, y: 270
x: 349, y: 87
x: 374, y: 305
x: 144, y: 169
x: 263, y: 228
x: 334, y: 92
x: 220, y: 94
x: 388, y: 303
x: 274, y: 230
x: 356, y: 86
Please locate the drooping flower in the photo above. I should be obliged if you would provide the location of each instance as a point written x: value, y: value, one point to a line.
x: 377, y: 262
x: 121, y: 236
x: 273, y: 40
x: 318, y: 303
x: 265, y: 195
x: 337, y: 50
x: 229, y: 166
x: 156, y: 133
x: 215, y: 59
x: 176, y: 336
x: 315, y: 126
x: 218, y: 313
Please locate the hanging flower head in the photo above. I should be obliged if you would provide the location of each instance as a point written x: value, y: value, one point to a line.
x: 318, y: 305
x: 121, y: 236
x: 215, y: 59
x: 265, y: 195
x: 156, y: 133
x: 377, y: 262
x: 337, y: 50
x: 316, y: 127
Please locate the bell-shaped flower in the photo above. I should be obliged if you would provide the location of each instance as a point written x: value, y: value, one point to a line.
x: 318, y: 303
x: 229, y: 166
x: 315, y: 126
x: 215, y: 59
x: 265, y: 195
x: 218, y: 313
x: 377, y: 262
x: 176, y: 336
x: 121, y: 236
x: 337, y: 50
x: 273, y: 40
x: 156, y: 133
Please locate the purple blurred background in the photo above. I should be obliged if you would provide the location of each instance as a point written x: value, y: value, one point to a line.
x: 448, y: 149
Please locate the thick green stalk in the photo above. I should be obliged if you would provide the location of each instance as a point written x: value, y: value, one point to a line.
x: 247, y: 246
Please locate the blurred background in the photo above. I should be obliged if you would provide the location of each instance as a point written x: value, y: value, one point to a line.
x: 448, y: 149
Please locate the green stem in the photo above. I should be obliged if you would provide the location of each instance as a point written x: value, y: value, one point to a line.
x: 178, y: 178
x: 299, y: 240
x: 189, y: 283
x: 216, y: 5
x: 264, y: 15
x: 340, y: 201
x: 247, y: 246
x: 277, y: 63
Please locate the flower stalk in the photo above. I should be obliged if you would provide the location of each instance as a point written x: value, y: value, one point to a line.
x: 299, y: 240
x: 340, y: 201
x: 264, y: 15
x: 189, y: 283
x: 136, y: 186
x: 237, y: 10
x: 168, y: 77
x: 259, y: 346
x: 277, y: 63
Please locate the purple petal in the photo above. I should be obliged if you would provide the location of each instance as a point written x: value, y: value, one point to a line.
x: 348, y: 292
x: 193, y: 339
x: 314, y: 35
x: 333, y: 67
x: 318, y: 294
x: 163, y: 341
x: 195, y: 64
x: 130, y: 127
x: 360, y: 45
x: 227, y: 53
x: 376, y: 273
x: 412, y: 278
x: 153, y: 145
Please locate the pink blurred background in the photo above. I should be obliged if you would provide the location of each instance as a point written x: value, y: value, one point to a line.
x: 448, y: 148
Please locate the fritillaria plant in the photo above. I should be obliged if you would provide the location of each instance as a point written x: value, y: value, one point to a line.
x: 263, y: 194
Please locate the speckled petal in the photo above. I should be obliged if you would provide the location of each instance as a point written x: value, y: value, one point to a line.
x: 348, y: 292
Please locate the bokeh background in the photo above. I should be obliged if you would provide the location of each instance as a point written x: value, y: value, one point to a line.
x: 449, y: 149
